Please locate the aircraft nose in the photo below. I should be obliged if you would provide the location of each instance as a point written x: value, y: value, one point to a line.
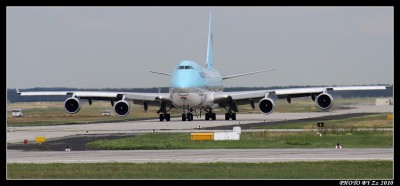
x: 185, y: 79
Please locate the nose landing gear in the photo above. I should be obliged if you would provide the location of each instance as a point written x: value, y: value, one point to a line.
x: 187, y: 114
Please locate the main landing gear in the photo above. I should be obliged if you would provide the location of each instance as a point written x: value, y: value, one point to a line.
x: 167, y: 117
x: 209, y: 114
x: 164, y: 112
x: 230, y: 116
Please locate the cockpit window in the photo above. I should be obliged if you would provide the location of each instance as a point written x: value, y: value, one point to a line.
x: 185, y: 67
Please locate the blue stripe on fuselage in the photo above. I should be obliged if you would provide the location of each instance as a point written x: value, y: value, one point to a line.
x: 195, y: 77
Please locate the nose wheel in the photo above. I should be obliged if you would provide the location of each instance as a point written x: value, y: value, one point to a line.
x: 187, y: 113
x: 187, y: 116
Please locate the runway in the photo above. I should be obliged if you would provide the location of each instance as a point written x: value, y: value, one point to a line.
x: 59, y: 134
x: 197, y: 156
x: 18, y: 134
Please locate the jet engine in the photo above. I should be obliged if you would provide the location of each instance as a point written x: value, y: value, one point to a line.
x: 266, y: 106
x: 324, y: 101
x: 72, y: 105
x: 122, y: 108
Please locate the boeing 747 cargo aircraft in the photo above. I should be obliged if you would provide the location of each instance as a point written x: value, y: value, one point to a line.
x: 194, y: 87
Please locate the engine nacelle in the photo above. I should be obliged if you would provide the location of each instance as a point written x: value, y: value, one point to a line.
x: 72, y: 105
x: 122, y: 108
x: 324, y: 101
x: 266, y: 106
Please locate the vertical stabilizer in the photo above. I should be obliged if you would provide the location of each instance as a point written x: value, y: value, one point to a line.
x: 209, y: 62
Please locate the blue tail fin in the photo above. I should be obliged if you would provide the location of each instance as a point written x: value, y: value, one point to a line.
x: 209, y: 62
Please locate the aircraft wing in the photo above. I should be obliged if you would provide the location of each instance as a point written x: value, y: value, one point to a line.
x: 137, y: 97
x: 243, y: 97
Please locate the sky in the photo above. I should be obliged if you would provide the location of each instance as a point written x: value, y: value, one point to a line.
x: 116, y: 47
